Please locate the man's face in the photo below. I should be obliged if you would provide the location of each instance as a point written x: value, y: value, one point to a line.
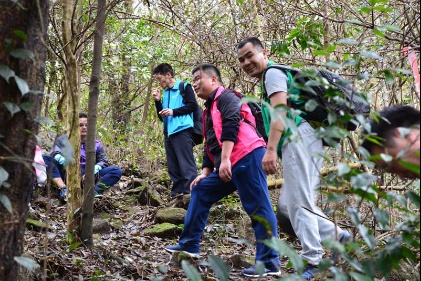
x: 164, y: 80
x: 203, y: 84
x: 252, y: 61
x: 401, y: 150
x: 83, y: 127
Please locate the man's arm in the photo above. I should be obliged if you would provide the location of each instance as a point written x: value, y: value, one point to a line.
x: 190, y: 102
x: 276, y: 130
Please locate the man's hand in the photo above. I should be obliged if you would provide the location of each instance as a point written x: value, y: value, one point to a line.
x: 197, y: 180
x: 225, y: 170
x: 60, y: 159
x: 269, y: 162
x: 166, y: 112
x: 156, y: 94
x: 97, y: 169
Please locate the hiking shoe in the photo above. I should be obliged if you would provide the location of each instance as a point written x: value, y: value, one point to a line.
x: 98, y: 191
x: 63, y: 194
x: 254, y: 272
x: 345, y: 239
x: 309, y: 271
x: 180, y: 249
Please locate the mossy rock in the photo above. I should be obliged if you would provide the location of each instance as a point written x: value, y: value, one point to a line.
x: 150, y: 197
x: 164, y: 230
x: 171, y: 215
x: 116, y: 223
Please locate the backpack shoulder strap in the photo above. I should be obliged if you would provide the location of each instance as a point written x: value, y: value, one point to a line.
x: 288, y: 70
x: 182, y: 89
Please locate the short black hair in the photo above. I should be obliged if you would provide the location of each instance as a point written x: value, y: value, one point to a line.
x: 257, y: 44
x: 209, y: 69
x: 163, y: 69
x: 386, y: 121
x: 83, y: 115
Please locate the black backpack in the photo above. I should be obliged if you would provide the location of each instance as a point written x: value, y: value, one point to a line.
x: 256, y: 110
x: 197, y: 119
x: 331, y: 92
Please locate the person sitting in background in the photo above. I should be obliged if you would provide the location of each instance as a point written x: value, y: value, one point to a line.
x: 106, y: 175
x: 397, y: 134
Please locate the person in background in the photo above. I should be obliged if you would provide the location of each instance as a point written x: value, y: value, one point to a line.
x: 300, y: 161
x: 106, y: 175
x: 176, y: 113
x: 232, y: 160
x: 396, y: 132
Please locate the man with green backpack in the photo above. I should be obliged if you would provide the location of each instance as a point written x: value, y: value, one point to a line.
x: 301, y: 161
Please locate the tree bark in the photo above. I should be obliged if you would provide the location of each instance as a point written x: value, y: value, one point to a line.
x: 17, y: 141
x: 88, y: 191
x: 72, y: 93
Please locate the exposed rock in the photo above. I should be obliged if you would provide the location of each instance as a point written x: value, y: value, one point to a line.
x: 171, y: 215
x: 100, y: 226
x: 150, y: 197
x: 181, y: 201
x: 239, y: 261
x: 116, y: 223
x: 164, y: 230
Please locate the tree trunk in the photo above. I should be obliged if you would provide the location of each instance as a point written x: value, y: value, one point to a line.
x: 72, y: 92
x: 88, y: 191
x: 17, y: 130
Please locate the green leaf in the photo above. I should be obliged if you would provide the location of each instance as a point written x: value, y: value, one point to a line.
x: 366, y: 10
x: 411, y: 167
x: 284, y: 249
x: 354, y: 21
x: 4, y: 175
x: 74, y: 245
x: 343, y: 169
x: 42, y: 119
x: 383, y: 218
x: 6, y: 72
x: 331, y: 117
x: 371, y: 55
x: 389, y: 77
x: 350, y: 62
x: 22, y: 85
x: 383, y: 9
x: 311, y: 105
x: 379, y: 33
x: 12, y: 107
x: 386, y: 157
x: 368, y: 238
x: 190, y: 271
x: 28, y: 263
x: 22, y: 54
x: 21, y: 34
x: 348, y: 41
x: 390, y: 27
x: 6, y: 203
x: 219, y: 267
x: 333, y: 64
x: 27, y: 106
x: 414, y: 197
x: 360, y: 277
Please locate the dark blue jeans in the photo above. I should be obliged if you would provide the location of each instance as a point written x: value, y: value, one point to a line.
x: 107, y: 177
x: 250, y: 181
x: 180, y: 161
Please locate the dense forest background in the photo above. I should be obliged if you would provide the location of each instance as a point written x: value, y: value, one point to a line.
x: 366, y: 42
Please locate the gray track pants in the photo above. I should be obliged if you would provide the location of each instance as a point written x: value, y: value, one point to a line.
x: 301, y: 168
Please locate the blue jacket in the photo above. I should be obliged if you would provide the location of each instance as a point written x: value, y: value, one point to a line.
x: 182, y: 118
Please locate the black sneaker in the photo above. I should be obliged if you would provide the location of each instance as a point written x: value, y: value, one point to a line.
x: 310, y: 271
x: 253, y: 272
x: 180, y: 249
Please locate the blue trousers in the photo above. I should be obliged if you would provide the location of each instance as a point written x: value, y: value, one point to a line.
x: 180, y: 161
x: 107, y: 177
x: 250, y: 181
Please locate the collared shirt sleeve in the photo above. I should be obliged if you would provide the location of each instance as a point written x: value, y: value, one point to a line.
x: 229, y: 106
x: 190, y: 102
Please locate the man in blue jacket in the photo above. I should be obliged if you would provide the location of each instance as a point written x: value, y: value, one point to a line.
x: 106, y: 175
x: 176, y: 113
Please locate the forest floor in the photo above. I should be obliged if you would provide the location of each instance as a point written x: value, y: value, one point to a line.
x: 122, y: 252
